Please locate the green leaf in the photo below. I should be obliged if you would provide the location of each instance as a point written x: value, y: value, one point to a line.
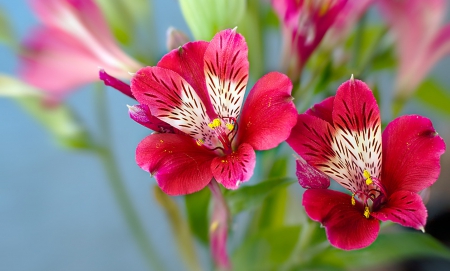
x: 180, y: 229
x: 247, y: 197
x: 205, y: 17
x: 388, y: 248
x: 197, y: 213
x: 13, y: 88
x: 266, y: 250
x: 433, y: 95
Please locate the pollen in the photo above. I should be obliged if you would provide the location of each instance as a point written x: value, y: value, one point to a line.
x: 366, y: 212
x: 366, y: 175
x: 230, y: 126
x: 199, y: 142
x: 353, y: 200
x: 214, y: 124
x: 214, y: 226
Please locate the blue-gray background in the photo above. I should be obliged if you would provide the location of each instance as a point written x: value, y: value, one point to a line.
x: 57, y: 211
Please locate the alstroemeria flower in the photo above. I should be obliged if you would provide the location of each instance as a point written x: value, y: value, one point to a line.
x: 341, y: 137
x: 69, y: 48
x: 199, y: 90
x: 420, y: 38
x: 304, y: 24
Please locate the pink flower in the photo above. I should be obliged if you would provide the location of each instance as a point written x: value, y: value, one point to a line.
x: 341, y: 137
x: 69, y: 48
x: 304, y: 24
x: 421, y: 40
x: 199, y: 90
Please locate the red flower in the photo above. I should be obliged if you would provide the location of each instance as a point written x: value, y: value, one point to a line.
x: 198, y: 90
x: 342, y: 138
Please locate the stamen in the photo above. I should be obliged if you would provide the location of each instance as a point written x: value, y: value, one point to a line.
x: 366, y: 212
x: 366, y: 175
x: 230, y: 126
x: 353, y: 199
x: 214, y: 124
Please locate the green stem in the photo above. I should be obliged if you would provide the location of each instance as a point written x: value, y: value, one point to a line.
x: 104, y: 152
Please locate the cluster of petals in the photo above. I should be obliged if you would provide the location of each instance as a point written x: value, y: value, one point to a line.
x: 193, y: 100
x: 70, y: 46
x: 341, y: 138
x: 304, y: 24
x: 420, y: 38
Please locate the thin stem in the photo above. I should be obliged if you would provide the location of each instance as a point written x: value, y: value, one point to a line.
x: 104, y: 152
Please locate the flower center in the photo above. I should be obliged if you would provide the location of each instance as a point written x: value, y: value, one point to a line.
x: 223, y: 130
x: 372, y: 196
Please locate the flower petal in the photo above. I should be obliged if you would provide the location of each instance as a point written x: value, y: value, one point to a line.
x: 310, y: 177
x: 141, y: 114
x: 271, y: 96
x: 323, y: 110
x: 226, y: 72
x: 411, y: 151
x: 230, y: 170
x: 179, y: 166
x: 405, y: 208
x: 172, y: 100
x: 345, y: 224
x: 357, y: 121
x: 187, y: 61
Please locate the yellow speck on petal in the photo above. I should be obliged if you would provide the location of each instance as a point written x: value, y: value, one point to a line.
x: 366, y: 175
x: 214, y: 226
x: 214, y: 124
x: 162, y: 141
x: 366, y: 212
x: 353, y: 200
x: 199, y: 142
x: 230, y: 126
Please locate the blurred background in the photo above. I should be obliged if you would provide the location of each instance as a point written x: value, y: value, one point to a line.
x: 57, y: 211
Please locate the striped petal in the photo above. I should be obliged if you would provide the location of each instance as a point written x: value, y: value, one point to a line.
x: 171, y: 99
x: 226, y: 71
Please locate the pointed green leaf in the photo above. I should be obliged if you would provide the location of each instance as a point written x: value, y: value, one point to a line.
x: 197, y: 213
x: 435, y: 96
x: 247, y: 197
x: 266, y: 250
x: 205, y: 17
x: 13, y: 88
x: 388, y: 248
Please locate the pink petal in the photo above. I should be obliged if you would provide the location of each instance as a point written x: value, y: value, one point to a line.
x: 219, y: 228
x: 345, y: 224
x: 179, y: 166
x: 405, y: 208
x: 233, y: 169
x: 323, y: 110
x: 142, y: 115
x: 357, y: 141
x: 309, y: 177
x: 226, y: 72
x: 271, y: 96
x: 411, y: 152
x: 171, y: 99
x: 187, y: 61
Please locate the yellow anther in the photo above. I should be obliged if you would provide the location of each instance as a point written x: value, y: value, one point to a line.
x: 230, y: 126
x: 366, y: 212
x: 200, y: 142
x: 214, y: 124
x: 353, y: 199
x: 368, y: 177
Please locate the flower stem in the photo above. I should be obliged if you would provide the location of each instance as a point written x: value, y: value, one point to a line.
x: 104, y: 152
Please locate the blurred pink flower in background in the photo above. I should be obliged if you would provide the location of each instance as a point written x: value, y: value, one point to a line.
x: 420, y: 38
x: 304, y: 24
x: 70, y: 47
